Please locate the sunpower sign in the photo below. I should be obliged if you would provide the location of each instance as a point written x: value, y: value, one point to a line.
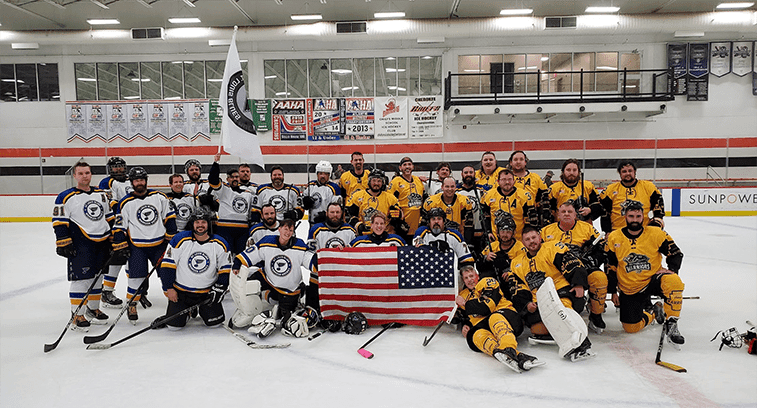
x: 713, y: 201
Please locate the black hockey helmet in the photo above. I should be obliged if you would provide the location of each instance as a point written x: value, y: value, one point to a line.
x: 200, y: 213
x: 630, y: 205
x: 436, y: 212
x: 116, y: 162
x: 378, y: 174
x: 355, y: 323
x: 505, y: 221
x: 192, y: 162
x: 137, y: 173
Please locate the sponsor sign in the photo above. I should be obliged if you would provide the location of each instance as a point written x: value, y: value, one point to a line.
x: 359, y: 118
x: 391, y: 117
x: 425, y: 116
x: 326, y: 119
x: 289, y: 119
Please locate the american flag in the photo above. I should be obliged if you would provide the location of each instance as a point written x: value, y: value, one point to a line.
x: 407, y: 285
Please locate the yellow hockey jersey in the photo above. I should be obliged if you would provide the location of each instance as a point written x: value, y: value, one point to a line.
x: 456, y: 212
x: 634, y: 260
x: 531, y: 184
x: 485, y: 299
x: 515, y: 203
x: 485, y: 182
x: 616, y: 194
x: 575, y: 237
x: 410, y: 196
x: 367, y: 205
x: 532, y: 271
x: 350, y: 182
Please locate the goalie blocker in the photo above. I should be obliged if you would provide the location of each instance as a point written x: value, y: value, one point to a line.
x: 564, y: 324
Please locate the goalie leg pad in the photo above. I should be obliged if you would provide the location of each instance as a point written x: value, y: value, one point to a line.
x: 247, y: 298
x: 564, y: 324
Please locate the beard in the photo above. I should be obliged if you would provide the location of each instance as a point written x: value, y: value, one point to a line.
x: 333, y: 223
x: 436, y: 229
x: 140, y: 189
x: 269, y: 222
x: 468, y: 180
x: 634, y: 226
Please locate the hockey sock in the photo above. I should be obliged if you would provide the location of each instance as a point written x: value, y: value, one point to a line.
x: 539, y: 329
x: 109, y: 279
x: 597, y: 292
x: 93, y: 300
x: 485, y: 341
x: 502, y: 331
x: 672, y: 289
x: 76, y: 293
x: 134, y: 284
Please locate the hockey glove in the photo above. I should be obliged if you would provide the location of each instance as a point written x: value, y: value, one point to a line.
x: 67, y: 251
x: 441, y: 246
x: 216, y: 293
x: 120, y: 256
x: 308, y: 202
x: 291, y: 214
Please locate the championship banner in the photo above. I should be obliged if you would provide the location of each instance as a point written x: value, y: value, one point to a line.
x: 198, y: 123
x: 720, y: 62
x: 96, y: 124
x: 406, y: 285
x: 77, y: 124
x: 742, y: 57
x: 391, y: 117
x: 697, y: 80
x: 117, y: 121
x: 425, y: 118
x: 289, y: 121
x: 359, y: 118
x: 158, y: 121
x: 178, y: 125
x: 138, y: 124
x: 215, y: 115
x: 677, y: 61
x: 325, y: 119
x: 261, y: 114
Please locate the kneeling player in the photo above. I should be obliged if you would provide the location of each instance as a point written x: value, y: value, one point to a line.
x: 196, y: 267
x: 491, y: 322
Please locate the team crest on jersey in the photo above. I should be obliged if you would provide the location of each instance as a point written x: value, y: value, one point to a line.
x: 637, y: 263
x: 368, y: 213
x: 281, y: 265
x: 414, y: 200
x: 147, y: 214
x: 535, y: 279
x: 239, y: 204
x: 335, y: 242
x: 198, y: 262
x: 183, y: 211
x: 317, y: 199
x: 278, y: 202
x: 93, y: 210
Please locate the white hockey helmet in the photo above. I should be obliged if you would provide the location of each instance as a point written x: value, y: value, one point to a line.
x: 323, y: 166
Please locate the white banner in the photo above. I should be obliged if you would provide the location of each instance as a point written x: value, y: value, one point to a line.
x: 137, y: 120
x: 117, y: 121
x: 199, y: 126
x: 720, y: 61
x: 742, y: 57
x: 730, y: 200
x: 178, y: 125
x: 391, y: 117
x: 158, y: 120
x: 96, y: 124
x: 425, y: 119
x: 77, y: 123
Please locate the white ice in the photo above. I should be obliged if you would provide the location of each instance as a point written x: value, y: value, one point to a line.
x: 198, y: 366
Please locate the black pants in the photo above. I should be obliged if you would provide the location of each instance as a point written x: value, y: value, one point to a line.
x: 212, y: 314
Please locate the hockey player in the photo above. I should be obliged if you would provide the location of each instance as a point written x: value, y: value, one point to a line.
x: 195, y: 184
x: 458, y: 208
x: 566, y: 274
x: 634, y: 260
x: 234, y: 206
x: 572, y: 186
x: 196, y: 267
x: 355, y: 179
x: 467, y: 187
x: 438, y: 236
x: 117, y: 186
x: 629, y: 188
x: 285, y: 198
x: 491, y: 324
x: 510, y: 199
x: 434, y: 186
x: 182, y: 203
x: 144, y: 224
x: 410, y: 193
x: 280, y: 259
x: 583, y: 240
x: 364, y: 203
x: 532, y: 185
x: 378, y: 235
x: 319, y: 193
x: 268, y: 226
x: 488, y: 174
x: 245, y: 173
x: 497, y: 256
x: 82, y: 220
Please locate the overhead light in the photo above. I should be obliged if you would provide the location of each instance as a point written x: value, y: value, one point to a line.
x: 430, y: 40
x: 515, y: 12
x: 189, y: 3
x: 545, y: 58
x: 734, y: 5
x: 395, y: 69
x: 306, y: 17
x: 398, y: 88
x: 270, y: 77
x: 349, y: 88
x: 100, y: 4
x: 341, y: 71
x: 473, y: 70
x: 219, y: 43
x: 607, y: 68
x: 688, y: 34
x: 131, y: 97
x: 183, y: 20
x: 389, y: 14
x: 86, y: 79
x: 25, y: 46
x: 427, y: 57
x: 141, y: 80
x: 283, y: 93
x: 215, y: 80
x: 103, y: 21
x: 597, y: 9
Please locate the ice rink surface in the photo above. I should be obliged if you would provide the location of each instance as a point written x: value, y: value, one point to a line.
x: 198, y: 366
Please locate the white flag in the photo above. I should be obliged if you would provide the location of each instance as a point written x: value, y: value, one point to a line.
x: 237, y: 128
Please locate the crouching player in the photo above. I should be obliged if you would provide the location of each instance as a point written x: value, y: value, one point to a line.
x: 196, y: 267
x: 491, y: 322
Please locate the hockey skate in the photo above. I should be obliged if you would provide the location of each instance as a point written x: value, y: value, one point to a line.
x: 674, y: 336
x: 581, y: 352
x: 108, y: 299
x: 596, y: 323
x: 80, y: 324
x: 527, y: 362
x: 535, y: 339
x: 658, y: 311
x: 131, y: 312
x: 508, y: 357
x: 96, y: 316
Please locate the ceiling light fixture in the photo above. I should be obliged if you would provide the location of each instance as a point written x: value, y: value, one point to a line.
x: 602, y: 10
x: 734, y: 5
x: 189, y: 3
x: 389, y: 14
x: 183, y: 20
x: 100, y: 4
x: 306, y: 17
x: 103, y: 21
x: 515, y: 12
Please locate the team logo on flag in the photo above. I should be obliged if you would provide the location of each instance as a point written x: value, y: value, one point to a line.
x: 236, y: 103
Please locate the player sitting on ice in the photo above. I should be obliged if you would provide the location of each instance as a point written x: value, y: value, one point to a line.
x: 491, y: 323
x: 437, y: 235
x: 378, y: 235
x: 552, y: 281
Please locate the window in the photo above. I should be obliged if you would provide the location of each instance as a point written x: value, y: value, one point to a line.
x: 151, y: 81
x: 129, y: 79
x: 7, y: 83
x: 86, y: 82
x: 49, y: 89
x: 173, y: 80
x: 26, y: 82
x: 194, y: 79
x: 107, y: 81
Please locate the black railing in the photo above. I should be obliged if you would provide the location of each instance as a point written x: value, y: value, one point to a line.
x: 630, y: 85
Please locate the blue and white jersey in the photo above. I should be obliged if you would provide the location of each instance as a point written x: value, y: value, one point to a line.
x: 280, y: 264
x: 234, y: 207
x: 192, y: 266
x: 116, y: 190
x: 323, y: 195
x: 182, y: 204
x: 87, y: 212
x: 146, y: 221
x: 322, y: 236
x: 373, y: 240
x: 284, y: 200
x: 425, y: 236
x: 260, y: 231
x: 189, y: 187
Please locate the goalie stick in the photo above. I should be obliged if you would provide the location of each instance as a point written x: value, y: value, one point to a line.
x: 665, y: 364
x: 51, y: 347
x: 124, y: 308
x: 252, y: 344
x: 154, y: 325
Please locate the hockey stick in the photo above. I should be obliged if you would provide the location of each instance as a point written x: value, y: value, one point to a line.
x: 427, y: 340
x: 124, y: 308
x: 657, y: 360
x: 51, y: 347
x: 154, y: 325
x: 251, y: 344
x: 367, y: 354
x: 609, y: 297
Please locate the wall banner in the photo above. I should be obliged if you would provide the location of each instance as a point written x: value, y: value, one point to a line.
x: 158, y: 121
x: 261, y: 114
x: 677, y: 61
x: 178, y: 124
x: 96, y: 123
x: 289, y: 119
x: 138, y: 122
x: 742, y: 57
x: 391, y: 117
x: 325, y: 119
x: 697, y: 80
x: 720, y: 62
x: 425, y: 118
x: 199, y: 126
x: 77, y: 123
x: 359, y: 118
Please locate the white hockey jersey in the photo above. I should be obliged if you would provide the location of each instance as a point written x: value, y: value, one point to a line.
x: 474, y: 196
x: 117, y: 190
x: 321, y: 236
x: 189, y: 187
x: 323, y: 195
x: 182, y: 205
x: 260, y: 231
x: 234, y: 207
x: 89, y: 211
x: 286, y: 199
x: 191, y: 266
x: 146, y: 221
x: 425, y: 236
x: 280, y: 265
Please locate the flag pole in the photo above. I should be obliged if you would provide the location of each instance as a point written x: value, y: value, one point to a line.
x: 220, y: 140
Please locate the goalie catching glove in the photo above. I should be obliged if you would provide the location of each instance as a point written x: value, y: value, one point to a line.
x: 296, y: 326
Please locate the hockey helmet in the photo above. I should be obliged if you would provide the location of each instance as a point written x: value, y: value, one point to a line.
x: 378, y: 174
x: 138, y: 172
x: 323, y: 166
x: 312, y: 317
x: 117, y: 168
x: 436, y: 212
x: 192, y: 162
x: 505, y: 221
x: 355, y: 323
x: 199, y: 213
x: 630, y: 205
